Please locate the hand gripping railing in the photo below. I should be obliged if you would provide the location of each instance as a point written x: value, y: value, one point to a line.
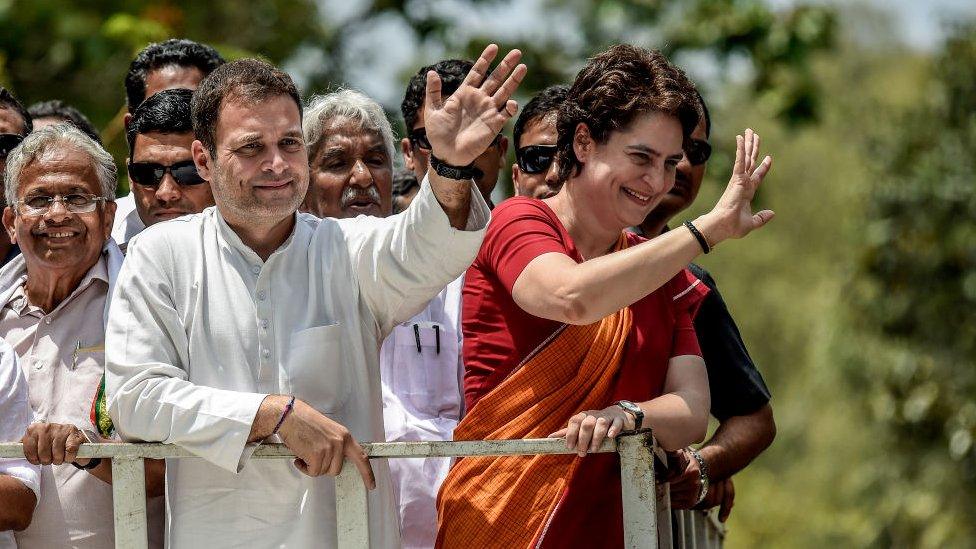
x: 647, y: 519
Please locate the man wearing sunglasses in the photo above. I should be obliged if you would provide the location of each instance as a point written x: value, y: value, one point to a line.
x: 416, y: 146
x: 534, y: 173
x: 162, y: 176
x: 15, y: 124
x: 740, y: 398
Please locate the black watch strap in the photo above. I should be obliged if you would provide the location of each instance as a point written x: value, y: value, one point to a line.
x: 452, y: 172
x: 633, y: 409
x: 94, y: 462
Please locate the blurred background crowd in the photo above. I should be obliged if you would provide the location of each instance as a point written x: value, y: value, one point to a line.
x: 857, y: 304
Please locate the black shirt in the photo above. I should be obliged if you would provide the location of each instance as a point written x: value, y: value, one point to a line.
x: 736, y: 385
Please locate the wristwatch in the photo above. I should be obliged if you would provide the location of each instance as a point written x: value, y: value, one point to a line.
x: 93, y: 462
x: 443, y: 169
x: 634, y: 409
x: 702, y: 475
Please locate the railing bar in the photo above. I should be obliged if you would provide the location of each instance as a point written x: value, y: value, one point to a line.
x: 638, y: 491
x: 129, y: 503
x: 352, y: 509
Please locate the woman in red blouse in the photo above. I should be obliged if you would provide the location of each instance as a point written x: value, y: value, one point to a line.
x: 565, y: 314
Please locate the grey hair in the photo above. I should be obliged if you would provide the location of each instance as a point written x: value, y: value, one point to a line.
x: 349, y: 105
x: 64, y: 134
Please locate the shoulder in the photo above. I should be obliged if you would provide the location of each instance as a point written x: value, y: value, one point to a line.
x: 180, y: 236
x: 521, y: 206
x: 703, y: 275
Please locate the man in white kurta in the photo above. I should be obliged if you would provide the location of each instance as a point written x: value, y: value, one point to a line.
x: 204, y: 328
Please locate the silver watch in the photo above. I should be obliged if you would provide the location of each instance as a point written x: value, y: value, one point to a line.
x: 702, y: 473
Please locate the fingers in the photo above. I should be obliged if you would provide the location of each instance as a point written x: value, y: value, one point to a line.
x: 760, y: 172
x: 30, y: 445
x: 58, y: 443
x: 477, y: 73
x: 587, y: 426
x: 44, y: 446
x: 747, y: 144
x: 740, y: 153
x: 501, y: 73
x: 572, y: 430
x: 504, y: 93
x: 755, y: 148
x: 433, y: 100
x: 616, y: 426
x: 558, y: 434
x: 759, y: 219
x: 600, y: 430
x: 356, y: 454
x: 728, y: 500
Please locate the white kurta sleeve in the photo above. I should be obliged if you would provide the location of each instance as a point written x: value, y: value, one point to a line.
x: 403, y: 261
x: 15, y: 416
x: 146, y: 358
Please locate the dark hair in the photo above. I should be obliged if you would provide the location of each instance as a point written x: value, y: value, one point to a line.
x: 705, y: 115
x: 613, y: 89
x: 175, y: 51
x: 8, y: 101
x: 167, y: 112
x: 545, y: 102
x: 250, y: 80
x: 56, y: 108
x: 452, y: 73
x: 403, y: 181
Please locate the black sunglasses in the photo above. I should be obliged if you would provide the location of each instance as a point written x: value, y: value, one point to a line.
x: 150, y: 174
x: 535, y: 158
x: 7, y: 143
x: 418, y: 138
x: 698, y: 151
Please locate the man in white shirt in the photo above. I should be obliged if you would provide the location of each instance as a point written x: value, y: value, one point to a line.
x: 350, y: 147
x: 19, y: 480
x: 251, y: 320
x: 53, y: 300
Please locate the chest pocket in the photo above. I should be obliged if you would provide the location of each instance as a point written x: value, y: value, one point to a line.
x: 317, y: 368
x: 425, y: 369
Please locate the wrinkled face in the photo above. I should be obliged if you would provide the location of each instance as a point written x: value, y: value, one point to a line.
x: 687, y: 182
x: 172, y: 77
x: 540, y: 131
x: 259, y: 173
x: 626, y: 177
x: 490, y: 161
x: 60, y: 239
x: 351, y: 173
x: 168, y: 199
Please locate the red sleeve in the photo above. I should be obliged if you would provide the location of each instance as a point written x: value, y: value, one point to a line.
x: 687, y: 294
x: 520, y: 231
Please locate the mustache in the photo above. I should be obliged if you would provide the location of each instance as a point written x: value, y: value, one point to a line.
x: 355, y: 194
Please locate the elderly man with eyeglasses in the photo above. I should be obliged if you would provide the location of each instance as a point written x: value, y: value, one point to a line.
x: 60, y: 187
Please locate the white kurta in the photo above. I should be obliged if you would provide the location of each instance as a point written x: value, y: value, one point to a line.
x: 127, y: 221
x: 201, y: 330
x: 422, y: 374
x: 15, y: 416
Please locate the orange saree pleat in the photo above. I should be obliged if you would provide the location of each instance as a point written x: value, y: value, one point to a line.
x: 507, y: 501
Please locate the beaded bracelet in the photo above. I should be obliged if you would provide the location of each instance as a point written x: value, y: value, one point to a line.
x: 288, y: 409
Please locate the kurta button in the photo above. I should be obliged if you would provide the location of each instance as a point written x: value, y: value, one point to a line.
x: 256, y: 269
x: 266, y: 353
x: 264, y: 323
x: 262, y: 294
x: 47, y: 321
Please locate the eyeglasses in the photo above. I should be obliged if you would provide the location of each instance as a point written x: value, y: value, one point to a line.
x: 535, y: 158
x: 75, y: 203
x: 7, y: 143
x: 150, y: 174
x: 418, y: 138
x: 698, y: 151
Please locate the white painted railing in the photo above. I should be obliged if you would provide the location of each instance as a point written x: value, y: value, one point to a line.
x: 646, y: 509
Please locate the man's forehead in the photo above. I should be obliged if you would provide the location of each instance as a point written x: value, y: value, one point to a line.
x: 59, y: 167
x: 541, y: 127
x: 150, y: 143
x: 245, y: 119
x: 170, y: 77
x: 344, y: 130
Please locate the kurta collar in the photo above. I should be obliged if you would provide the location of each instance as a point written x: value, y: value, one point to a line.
x: 230, y: 237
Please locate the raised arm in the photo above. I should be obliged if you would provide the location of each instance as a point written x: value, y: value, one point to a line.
x: 462, y: 126
x: 554, y: 286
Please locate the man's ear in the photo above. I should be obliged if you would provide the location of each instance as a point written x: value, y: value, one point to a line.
x: 202, y: 159
x: 9, y: 218
x: 407, y: 152
x: 582, y: 142
x: 516, y: 173
x: 109, y: 219
x: 502, y: 147
x: 125, y: 121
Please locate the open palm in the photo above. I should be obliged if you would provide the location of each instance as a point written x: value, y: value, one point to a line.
x: 462, y: 126
x: 735, y: 205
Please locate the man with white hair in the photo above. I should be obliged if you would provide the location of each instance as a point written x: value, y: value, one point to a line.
x: 60, y: 190
x: 350, y: 146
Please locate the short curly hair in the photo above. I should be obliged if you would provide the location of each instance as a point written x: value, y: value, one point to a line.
x: 452, y: 73
x: 613, y: 89
x: 175, y: 51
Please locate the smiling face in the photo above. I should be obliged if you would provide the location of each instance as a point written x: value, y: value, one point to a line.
x: 351, y: 173
x: 259, y: 173
x: 626, y: 177
x: 168, y: 199
x: 541, y: 131
x: 59, y: 239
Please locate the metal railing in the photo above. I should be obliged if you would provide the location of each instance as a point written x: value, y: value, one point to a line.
x: 646, y: 509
